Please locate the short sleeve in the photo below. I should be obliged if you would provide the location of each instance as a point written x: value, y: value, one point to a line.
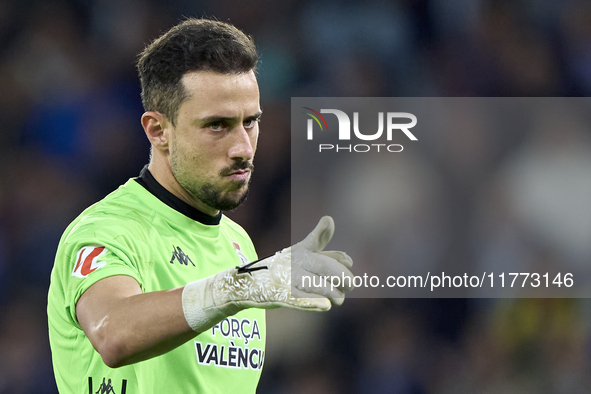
x: 93, y: 253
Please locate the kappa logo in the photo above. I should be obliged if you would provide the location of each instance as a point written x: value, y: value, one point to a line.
x: 87, y: 261
x: 106, y: 387
x: 180, y: 256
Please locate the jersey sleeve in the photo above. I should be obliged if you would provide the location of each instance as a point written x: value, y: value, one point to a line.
x: 94, y: 251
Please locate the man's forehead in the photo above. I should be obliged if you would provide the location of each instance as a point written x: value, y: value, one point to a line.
x: 213, y: 94
x: 204, y: 78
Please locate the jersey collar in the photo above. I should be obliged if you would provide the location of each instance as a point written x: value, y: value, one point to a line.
x: 147, y: 180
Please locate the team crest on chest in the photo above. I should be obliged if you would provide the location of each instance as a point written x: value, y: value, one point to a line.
x: 241, y: 256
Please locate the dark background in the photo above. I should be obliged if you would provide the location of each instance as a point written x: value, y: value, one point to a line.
x: 70, y: 133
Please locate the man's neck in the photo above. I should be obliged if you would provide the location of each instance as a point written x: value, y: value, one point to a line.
x: 150, y: 183
x: 164, y: 176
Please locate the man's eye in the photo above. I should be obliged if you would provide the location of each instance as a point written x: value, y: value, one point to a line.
x: 216, y: 126
x: 249, y: 124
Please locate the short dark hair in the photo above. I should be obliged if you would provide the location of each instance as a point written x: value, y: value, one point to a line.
x: 192, y: 45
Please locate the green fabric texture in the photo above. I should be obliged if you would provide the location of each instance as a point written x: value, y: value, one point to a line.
x: 131, y: 232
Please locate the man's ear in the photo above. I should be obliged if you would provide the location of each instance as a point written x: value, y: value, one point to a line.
x: 156, y: 127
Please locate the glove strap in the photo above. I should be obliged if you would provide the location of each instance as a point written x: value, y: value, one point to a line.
x: 246, y: 268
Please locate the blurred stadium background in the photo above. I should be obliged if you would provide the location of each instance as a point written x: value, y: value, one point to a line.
x: 69, y: 119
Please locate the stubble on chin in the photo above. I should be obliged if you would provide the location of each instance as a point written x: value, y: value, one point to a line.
x: 222, y: 197
x: 214, y: 198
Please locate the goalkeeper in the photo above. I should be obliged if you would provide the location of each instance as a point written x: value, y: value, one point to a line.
x: 153, y: 289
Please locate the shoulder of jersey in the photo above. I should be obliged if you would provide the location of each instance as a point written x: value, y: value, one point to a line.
x: 120, y: 207
x: 233, y: 226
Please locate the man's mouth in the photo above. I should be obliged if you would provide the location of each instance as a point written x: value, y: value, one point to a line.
x: 239, y: 172
x: 240, y: 175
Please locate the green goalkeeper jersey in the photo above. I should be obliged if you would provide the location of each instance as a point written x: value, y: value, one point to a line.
x: 143, y: 231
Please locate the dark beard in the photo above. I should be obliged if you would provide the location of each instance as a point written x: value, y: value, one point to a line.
x: 209, y: 194
x: 212, y: 197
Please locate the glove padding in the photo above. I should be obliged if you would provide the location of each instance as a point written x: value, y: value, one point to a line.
x: 267, y: 283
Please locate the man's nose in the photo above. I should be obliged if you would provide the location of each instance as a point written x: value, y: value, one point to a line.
x: 242, y: 145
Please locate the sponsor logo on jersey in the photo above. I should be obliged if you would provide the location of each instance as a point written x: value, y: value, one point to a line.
x: 87, y: 261
x: 106, y: 387
x: 241, y: 256
x: 231, y: 354
x: 180, y: 256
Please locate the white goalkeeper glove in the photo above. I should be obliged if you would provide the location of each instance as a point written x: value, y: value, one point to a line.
x: 320, y: 280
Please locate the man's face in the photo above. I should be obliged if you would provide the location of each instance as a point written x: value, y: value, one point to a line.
x: 213, y: 144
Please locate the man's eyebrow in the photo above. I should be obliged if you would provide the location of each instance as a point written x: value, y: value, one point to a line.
x: 212, y: 119
x: 256, y: 116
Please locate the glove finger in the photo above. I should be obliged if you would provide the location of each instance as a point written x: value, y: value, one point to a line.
x: 314, y: 286
x: 338, y: 301
x: 321, y: 265
x: 270, y: 295
x: 339, y: 256
x: 320, y: 236
x: 305, y: 301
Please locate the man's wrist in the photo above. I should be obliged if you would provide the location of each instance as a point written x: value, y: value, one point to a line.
x: 202, y: 311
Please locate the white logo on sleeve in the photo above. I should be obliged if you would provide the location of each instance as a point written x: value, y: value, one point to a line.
x: 87, y: 260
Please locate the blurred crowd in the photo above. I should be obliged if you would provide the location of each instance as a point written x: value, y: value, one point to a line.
x: 69, y: 113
